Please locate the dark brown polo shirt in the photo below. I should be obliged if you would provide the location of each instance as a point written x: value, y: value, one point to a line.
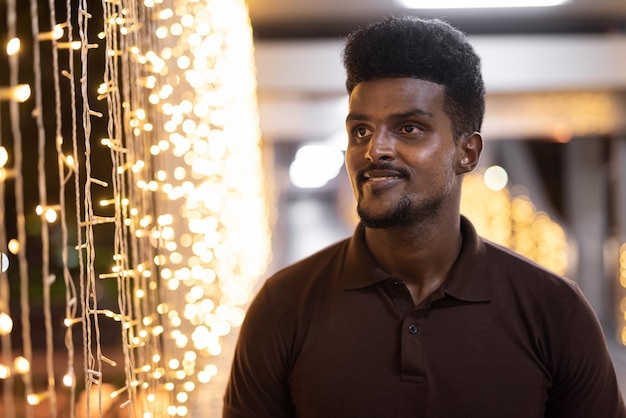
x: 335, y: 336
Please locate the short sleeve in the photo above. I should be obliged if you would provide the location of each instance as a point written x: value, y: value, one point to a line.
x: 258, y: 381
x: 584, y: 381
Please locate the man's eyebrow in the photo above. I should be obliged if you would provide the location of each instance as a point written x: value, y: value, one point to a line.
x: 412, y: 112
x: 403, y: 115
x: 355, y: 116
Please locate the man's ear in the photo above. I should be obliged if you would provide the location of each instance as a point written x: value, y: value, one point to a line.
x: 469, y: 148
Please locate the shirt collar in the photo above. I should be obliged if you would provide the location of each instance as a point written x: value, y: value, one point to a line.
x: 467, y: 279
x: 360, y: 269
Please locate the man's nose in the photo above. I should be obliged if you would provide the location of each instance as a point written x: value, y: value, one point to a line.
x: 381, y: 147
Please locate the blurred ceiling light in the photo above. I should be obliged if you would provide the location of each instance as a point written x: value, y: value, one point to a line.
x: 475, y: 4
x: 315, y: 165
x: 338, y: 140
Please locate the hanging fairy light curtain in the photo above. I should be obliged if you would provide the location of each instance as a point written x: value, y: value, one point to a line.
x: 154, y: 226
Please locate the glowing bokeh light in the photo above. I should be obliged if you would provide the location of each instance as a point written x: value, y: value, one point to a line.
x: 514, y: 222
x: 496, y: 178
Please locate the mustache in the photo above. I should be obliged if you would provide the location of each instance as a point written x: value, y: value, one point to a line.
x: 388, y: 167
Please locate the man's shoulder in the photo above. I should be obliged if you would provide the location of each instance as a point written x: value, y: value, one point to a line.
x: 302, y: 285
x: 522, y: 273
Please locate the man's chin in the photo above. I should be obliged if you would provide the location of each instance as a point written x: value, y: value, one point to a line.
x: 380, y: 222
x: 396, y: 216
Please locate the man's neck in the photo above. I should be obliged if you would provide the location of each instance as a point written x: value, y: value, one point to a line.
x: 420, y: 256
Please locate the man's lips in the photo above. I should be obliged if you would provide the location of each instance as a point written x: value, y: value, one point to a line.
x: 381, y: 177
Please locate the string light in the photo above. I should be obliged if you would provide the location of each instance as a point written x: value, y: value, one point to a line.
x: 5, y: 371
x: 14, y: 246
x: 21, y: 365
x: 13, y: 46
x: 69, y: 380
x: 4, y: 156
x: 210, y: 226
x: 56, y: 33
x: 36, y: 398
x: 49, y: 213
x: 6, y: 324
x: 19, y: 93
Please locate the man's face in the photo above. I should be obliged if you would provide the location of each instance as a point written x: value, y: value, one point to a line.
x: 401, y: 154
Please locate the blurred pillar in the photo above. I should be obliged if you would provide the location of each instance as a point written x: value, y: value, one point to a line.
x: 586, y: 207
x: 522, y: 169
x: 618, y: 173
x: 618, y: 257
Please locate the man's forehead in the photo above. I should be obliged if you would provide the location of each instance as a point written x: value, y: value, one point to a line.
x: 405, y: 94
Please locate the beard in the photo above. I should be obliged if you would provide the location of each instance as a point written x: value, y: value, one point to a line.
x: 411, y: 210
x: 407, y: 212
x: 401, y: 214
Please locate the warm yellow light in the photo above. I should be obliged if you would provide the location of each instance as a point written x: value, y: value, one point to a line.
x: 51, y: 215
x: 182, y: 397
x: 19, y: 93
x: 5, y: 371
x: 21, y: 365
x: 34, y: 399
x: 55, y: 34
x: 22, y: 93
x: 69, y: 160
x: 197, y: 215
x: 161, y: 32
x: 13, y: 46
x: 14, y: 246
x: 68, y: 379
x: 4, y: 156
x: 6, y: 323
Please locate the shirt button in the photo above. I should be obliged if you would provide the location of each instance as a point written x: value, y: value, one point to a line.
x: 414, y: 329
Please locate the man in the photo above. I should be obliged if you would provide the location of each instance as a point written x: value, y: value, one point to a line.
x: 415, y: 315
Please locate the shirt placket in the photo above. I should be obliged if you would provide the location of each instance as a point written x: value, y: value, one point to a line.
x: 412, y: 346
x: 411, y: 332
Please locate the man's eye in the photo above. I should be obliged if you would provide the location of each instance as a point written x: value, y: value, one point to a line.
x: 409, y: 129
x: 361, y: 132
